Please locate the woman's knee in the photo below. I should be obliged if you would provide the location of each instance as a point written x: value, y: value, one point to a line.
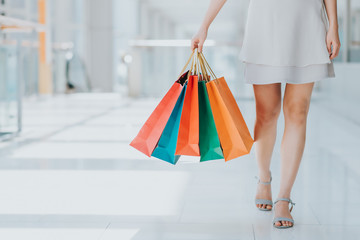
x: 268, y: 114
x: 296, y: 111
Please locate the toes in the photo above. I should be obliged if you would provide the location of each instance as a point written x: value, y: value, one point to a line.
x: 278, y: 224
x: 283, y: 223
x: 264, y: 206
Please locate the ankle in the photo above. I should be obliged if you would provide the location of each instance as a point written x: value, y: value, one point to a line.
x: 265, y: 176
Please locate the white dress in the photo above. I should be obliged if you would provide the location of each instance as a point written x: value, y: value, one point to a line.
x: 285, y: 41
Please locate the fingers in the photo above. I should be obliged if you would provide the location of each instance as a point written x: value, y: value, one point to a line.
x: 328, y: 46
x: 194, y: 44
x: 335, y: 51
x: 333, y: 48
x: 197, y: 43
x: 201, y: 44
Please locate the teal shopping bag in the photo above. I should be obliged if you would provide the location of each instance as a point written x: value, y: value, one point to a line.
x: 165, y: 150
x: 209, y: 142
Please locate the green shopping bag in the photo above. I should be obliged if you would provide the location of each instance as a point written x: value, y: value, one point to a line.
x: 209, y: 142
x: 165, y: 150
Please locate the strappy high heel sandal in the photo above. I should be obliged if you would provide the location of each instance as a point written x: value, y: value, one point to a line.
x: 278, y: 219
x: 264, y: 201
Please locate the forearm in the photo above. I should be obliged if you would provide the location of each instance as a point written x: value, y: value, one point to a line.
x: 213, y: 10
x: 331, y: 10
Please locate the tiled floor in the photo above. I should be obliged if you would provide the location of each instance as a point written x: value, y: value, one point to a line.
x: 72, y: 175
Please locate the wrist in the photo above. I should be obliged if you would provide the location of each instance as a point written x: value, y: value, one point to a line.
x: 203, y: 28
x: 334, y: 26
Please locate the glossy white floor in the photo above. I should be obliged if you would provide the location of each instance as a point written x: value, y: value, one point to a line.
x: 72, y: 175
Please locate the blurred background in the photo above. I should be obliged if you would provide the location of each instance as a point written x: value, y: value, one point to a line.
x: 133, y: 48
x: 78, y: 78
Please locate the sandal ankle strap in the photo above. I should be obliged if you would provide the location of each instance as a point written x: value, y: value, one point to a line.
x: 265, y: 183
x: 287, y: 200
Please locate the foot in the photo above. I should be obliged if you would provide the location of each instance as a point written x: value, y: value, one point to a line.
x: 264, y: 192
x: 282, y: 210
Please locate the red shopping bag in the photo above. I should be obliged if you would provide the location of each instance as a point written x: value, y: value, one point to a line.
x: 188, y: 136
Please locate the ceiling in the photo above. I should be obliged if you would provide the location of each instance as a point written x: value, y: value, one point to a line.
x: 188, y: 15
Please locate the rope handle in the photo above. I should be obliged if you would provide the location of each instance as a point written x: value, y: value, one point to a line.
x: 187, y: 63
x: 193, y: 58
x: 207, y: 65
x: 203, y: 69
x: 199, y: 65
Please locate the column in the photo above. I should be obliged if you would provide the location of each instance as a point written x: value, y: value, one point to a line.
x: 100, y: 50
x: 45, y: 76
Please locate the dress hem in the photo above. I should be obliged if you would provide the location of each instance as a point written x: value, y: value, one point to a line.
x: 287, y: 81
x: 274, y: 65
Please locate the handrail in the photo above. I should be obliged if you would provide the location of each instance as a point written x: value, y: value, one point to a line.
x: 64, y: 46
x: 16, y: 23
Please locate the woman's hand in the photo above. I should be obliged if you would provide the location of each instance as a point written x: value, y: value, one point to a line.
x: 332, y: 40
x: 198, y: 40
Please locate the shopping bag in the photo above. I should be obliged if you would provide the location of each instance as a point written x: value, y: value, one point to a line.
x: 229, y: 137
x: 165, y: 150
x: 149, y: 134
x: 230, y: 102
x: 188, y: 136
x: 231, y: 129
x: 209, y: 142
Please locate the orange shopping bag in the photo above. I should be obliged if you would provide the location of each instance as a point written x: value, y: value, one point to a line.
x: 235, y: 113
x: 235, y: 138
x: 188, y: 136
x: 148, y: 136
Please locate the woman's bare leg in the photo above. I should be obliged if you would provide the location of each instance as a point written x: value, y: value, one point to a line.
x: 268, y: 106
x: 296, y: 106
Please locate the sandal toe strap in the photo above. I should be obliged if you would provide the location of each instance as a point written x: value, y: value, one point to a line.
x: 263, y: 201
x: 278, y: 219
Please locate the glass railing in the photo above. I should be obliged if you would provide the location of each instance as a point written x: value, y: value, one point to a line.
x: 10, y: 100
x: 28, y: 60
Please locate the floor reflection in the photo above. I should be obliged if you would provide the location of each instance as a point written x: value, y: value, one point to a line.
x: 72, y: 174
